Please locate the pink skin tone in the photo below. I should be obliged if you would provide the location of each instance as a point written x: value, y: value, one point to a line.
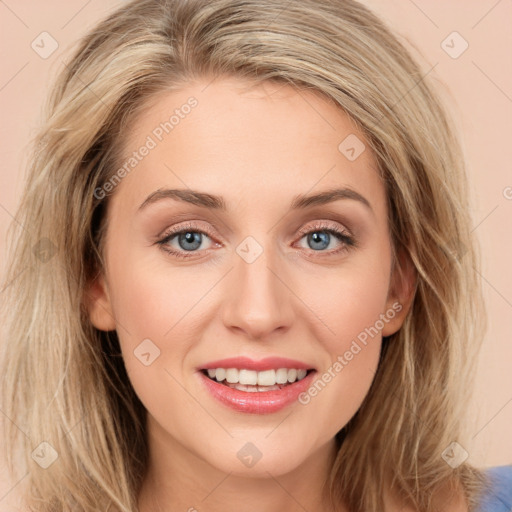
x: 258, y: 147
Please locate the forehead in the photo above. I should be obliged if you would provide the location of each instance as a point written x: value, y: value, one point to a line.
x: 252, y: 143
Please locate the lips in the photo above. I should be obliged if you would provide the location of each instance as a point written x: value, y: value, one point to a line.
x: 257, y: 387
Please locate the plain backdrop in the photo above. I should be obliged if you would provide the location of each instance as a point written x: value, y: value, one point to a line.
x: 463, y: 45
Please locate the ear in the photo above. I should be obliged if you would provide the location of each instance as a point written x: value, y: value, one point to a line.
x: 99, y: 306
x: 401, y: 292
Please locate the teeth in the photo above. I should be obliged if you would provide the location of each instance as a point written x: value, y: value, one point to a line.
x: 282, y: 376
x: 250, y: 380
x: 248, y: 377
x: 252, y: 389
x: 292, y: 375
x: 232, y: 375
x: 267, y: 378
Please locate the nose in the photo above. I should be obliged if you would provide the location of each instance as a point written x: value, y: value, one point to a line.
x: 258, y: 299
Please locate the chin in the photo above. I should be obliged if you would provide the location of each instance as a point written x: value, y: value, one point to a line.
x: 258, y: 458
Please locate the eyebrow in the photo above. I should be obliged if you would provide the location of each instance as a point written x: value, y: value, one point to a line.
x: 214, y: 202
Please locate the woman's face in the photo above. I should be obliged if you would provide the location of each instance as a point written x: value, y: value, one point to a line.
x: 268, y: 267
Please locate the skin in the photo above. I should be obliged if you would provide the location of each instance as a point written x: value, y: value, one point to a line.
x: 258, y: 147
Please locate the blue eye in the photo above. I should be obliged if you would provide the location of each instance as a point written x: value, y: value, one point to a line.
x: 319, y: 239
x: 190, y: 240
x: 183, y: 243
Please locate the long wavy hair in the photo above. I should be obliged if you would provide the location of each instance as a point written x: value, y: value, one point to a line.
x: 64, y: 382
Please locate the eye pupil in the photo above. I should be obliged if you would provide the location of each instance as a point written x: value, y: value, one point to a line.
x: 190, y: 238
x: 319, y: 237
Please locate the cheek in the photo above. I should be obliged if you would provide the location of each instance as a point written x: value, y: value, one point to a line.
x: 348, y: 300
x: 350, y: 306
x: 153, y: 310
x: 150, y: 299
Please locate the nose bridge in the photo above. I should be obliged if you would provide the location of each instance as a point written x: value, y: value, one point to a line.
x: 258, y: 301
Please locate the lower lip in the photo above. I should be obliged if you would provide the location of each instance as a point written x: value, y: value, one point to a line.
x: 258, y: 402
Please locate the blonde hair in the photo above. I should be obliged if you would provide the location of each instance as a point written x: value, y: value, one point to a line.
x: 65, y: 382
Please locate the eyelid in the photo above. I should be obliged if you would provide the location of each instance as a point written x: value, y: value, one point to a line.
x: 184, y: 226
x: 324, y: 225
x: 192, y: 225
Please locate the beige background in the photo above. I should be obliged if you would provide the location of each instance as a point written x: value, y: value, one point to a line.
x: 477, y: 85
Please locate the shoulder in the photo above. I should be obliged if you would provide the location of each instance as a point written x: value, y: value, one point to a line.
x: 498, y: 495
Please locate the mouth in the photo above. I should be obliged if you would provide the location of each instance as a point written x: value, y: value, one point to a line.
x: 252, y: 381
x: 257, y: 387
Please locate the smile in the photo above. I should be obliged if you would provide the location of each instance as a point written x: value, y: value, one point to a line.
x: 257, y: 387
x: 253, y: 381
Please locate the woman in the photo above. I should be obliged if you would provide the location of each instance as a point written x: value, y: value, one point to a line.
x: 312, y: 348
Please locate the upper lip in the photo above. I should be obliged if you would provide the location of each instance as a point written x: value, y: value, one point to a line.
x: 268, y: 363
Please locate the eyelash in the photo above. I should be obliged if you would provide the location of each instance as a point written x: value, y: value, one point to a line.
x: 348, y: 242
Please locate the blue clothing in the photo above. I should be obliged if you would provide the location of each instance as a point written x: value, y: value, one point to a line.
x: 499, y: 497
